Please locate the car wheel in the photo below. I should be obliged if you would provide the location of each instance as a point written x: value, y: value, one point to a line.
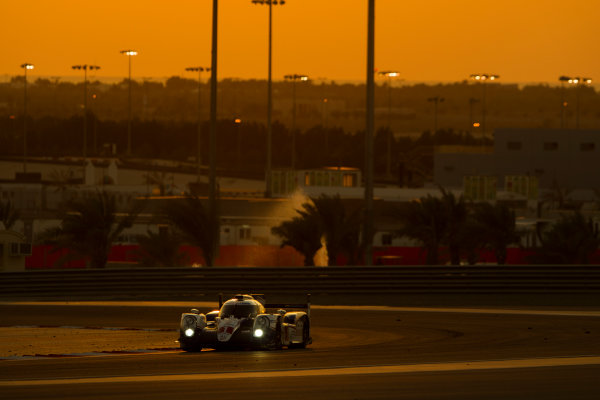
x: 189, y: 347
x: 305, y: 335
x: 275, y: 343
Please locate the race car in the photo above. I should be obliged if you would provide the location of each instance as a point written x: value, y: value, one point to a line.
x: 243, y: 322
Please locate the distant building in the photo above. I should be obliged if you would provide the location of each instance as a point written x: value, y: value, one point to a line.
x: 13, y: 249
x: 569, y: 159
x: 285, y: 182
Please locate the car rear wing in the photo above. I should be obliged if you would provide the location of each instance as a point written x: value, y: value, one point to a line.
x: 262, y: 300
x: 303, y: 306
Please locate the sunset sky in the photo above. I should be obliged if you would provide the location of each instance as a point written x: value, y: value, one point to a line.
x: 426, y: 41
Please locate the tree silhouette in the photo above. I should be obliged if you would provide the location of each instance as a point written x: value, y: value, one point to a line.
x: 89, y: 227
x: 339, y: 227
x: 160, y: 250
x: 159, y: 179
x: 496, y: 226
x: 424, y: 220
x: 196, y: 226
x: 328, y: 218
x: 303, y: 233
x: 8, y: 214
x: 456, y: 214
x: 571, y: 240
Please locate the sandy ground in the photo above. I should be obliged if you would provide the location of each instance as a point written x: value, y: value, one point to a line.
x: 31, y: 341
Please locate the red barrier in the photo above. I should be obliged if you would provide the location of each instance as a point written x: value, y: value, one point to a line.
x: 270, y: 256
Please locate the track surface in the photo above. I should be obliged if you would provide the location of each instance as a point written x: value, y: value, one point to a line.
x: 357, y: 354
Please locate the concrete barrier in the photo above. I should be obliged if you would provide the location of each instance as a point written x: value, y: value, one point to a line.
x: 181, y: 283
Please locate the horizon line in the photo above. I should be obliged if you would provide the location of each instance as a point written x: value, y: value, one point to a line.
x: 5, y: 78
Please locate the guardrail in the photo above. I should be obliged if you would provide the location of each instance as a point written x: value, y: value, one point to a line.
x: 191, y: 282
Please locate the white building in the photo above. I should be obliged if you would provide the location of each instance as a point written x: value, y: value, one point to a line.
x: 569, y: 159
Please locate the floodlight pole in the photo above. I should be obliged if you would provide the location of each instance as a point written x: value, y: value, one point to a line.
x: 563, y: 104
x: 578, y: 82
x: 389, y: 75
x: 270, y: 105
x: 199, y: 133
x: 129, y: 54
x: 212, y: 140
x: 85, y: 68
x: 435, y: 100
x: 25, y: 67
x: 294, y: 78
x: 368, y: 222
x: 483, y: 78
x: 269, y: 3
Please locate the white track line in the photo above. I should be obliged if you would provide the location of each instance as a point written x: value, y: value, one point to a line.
x: 366, y: 370
x: 214, y: 305
x: 93, y: 354
x: 564, y: 313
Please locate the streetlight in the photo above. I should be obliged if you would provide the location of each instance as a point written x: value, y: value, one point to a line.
x: 579, y: 83
x: 563, y: 103
x: 95, y: 126
x: 483, y: 78
x: 435, y: 100
x: 25, y: 66
x: 85, y: 68
x: 389, y: 75
x: 129, y: 54
x: 238, y: 124
x: 472, y: 101
x: 199, y: 70
x: 294, y: 78
x: 270, y: 3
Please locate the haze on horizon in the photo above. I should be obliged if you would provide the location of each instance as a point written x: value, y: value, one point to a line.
x: 436, y: 40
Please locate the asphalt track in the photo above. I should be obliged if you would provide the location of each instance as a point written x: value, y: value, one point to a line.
x: 358, y: 353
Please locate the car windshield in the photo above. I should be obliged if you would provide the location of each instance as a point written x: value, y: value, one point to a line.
x: 238, y: 310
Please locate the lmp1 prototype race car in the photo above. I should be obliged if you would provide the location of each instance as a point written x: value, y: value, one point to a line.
x: 243, y: 322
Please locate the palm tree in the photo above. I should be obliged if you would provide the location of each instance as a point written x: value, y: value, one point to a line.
x: 425, y: 220
x: 62, y: 179
x: 303, y: 233
x: 340, y: 228
x: 353, y: 244
x: 559, y: 197
x: 158, y: 179
x: 497, y: 227
x: 456, y: 213
x: 195, y: 225
x: 90, y: 226
x: 472, y: 239
x: 8, y: 214
x: 328, y: 218
x: 160, y: 250
x: 571, y: 240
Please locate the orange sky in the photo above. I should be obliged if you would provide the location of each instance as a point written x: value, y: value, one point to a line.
x: 435, y: 40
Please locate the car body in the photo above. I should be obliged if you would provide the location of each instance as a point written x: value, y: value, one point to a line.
x: 243, y: 322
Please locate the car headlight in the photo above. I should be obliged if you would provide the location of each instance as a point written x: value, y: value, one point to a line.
x: 189, y: 332
x: 261, y: 325
x: 188, y: 322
